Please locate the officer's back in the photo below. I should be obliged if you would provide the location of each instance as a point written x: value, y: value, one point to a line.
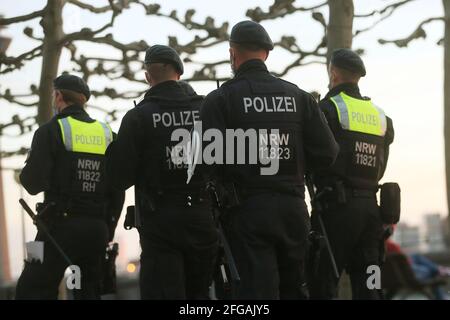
x: 177, y: 234
x: 351, y: 213
x: 67, y: 163
x: 361, y: 128
x: 285, y: 133
x: 146, y: 131
x: 255, y: 99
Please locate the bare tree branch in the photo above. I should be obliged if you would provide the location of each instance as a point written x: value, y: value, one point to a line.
x: 89, y: 7
x: 296, y: 63
x: 26, y: 17
x: 419, y: 32
x: 110, y: 115
x: 188, y: 23
x: 126, y: 63
x: 119, y: 5
x: 87, y: 33
x: 113, y: 94
x: 389, y: 8
x: 21, y: 123
x: 384, y: 13
x: 6, y: 154
x: 138, y: 46
x: 279, y: 9
x: 203, y: 75
x: 17, y: 62
x: 122, y: 69
x: 29, y: 32
x: 207, y: 71
x: 373, y: 25
x: 12, y: 99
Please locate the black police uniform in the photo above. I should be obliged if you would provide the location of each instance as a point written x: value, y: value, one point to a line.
x: 81, y: 224
x: 351, y: 213
x: 268, y: 231
x: 177, y: 235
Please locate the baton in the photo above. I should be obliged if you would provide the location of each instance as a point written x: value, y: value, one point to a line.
x: 41, y: 226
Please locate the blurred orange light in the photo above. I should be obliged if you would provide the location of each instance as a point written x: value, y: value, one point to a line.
x: 131, y: 267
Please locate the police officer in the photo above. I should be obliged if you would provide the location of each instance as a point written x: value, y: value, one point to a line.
x: 187, y: 88
x: 267, y: 222
x: 67, y: 163
x: 351, y: 214
x: 177, y: 234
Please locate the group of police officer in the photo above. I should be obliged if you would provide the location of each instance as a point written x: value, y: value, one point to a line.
x: 83, y: 168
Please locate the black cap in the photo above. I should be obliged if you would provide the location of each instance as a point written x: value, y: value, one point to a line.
x: 164, y: 54
x: 73, y: 83
x: 251, y: 32
x: 348, y: 60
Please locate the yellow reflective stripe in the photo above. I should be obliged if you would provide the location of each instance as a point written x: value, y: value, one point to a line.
x: 66, y: 133
x: 342, y: 111
x: 108, y: 133
x: 79, y: 136
x: 383, y: 120
x: 359, y: 115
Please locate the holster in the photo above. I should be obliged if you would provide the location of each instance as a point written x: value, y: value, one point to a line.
x: 339, y: 190
x: 315, y: 247
x: 387, y: 233
x: 390, y: 198
x: 109, y: 281
x: 232, y: 196
x: 225, y: 195
x: 142, y: 203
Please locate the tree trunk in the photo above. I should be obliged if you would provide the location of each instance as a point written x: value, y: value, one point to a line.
x: 52, y: 25
x: 340, y: 35
x: 340, y: 25
x: 447, y: 95
x: 5, y: 273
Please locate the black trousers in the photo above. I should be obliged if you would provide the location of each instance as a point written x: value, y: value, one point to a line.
x: 268, y: 238
x: 355, y: 234
x: 179, y: 246
x: 84, y: 241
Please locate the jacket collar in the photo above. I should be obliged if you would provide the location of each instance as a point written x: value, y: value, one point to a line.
x: 348, y: 88
x: 161, y: 88
x: 73, y: 110
x: 251, y: 66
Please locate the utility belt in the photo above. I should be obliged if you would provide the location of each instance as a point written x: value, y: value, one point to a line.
x: 149, y: 202
x: 247, y: 192
x: 228, y: 195
x: 340, y: 192
x: 360, y: 193
x: 54, y: 213
x: 390, y: 198
x: 231, y: 195
x: 186, y: 200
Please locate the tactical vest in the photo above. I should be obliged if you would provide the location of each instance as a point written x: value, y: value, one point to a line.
x: 83, y: 184
x: 162, y: 116
x: 268, y: 109
x: 361, y: 140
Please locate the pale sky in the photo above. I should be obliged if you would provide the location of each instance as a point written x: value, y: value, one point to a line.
x: 406, y: 83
